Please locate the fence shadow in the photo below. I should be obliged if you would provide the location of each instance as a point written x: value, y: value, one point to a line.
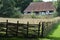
x: 17, y: 38
x: 54, y: 38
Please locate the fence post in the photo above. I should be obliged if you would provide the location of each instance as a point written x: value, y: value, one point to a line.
x: 42, y: 30
x: 6, y: 27
x: 27, y: 28
x: 39, y: 30
x: 17, y: 28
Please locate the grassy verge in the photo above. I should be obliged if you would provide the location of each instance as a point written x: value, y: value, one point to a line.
x: 55, y: 32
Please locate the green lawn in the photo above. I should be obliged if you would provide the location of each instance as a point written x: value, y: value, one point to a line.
x: 53, y: 35
x: 56, y: 32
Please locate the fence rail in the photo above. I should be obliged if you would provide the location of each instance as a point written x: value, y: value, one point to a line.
x: 26, y: 30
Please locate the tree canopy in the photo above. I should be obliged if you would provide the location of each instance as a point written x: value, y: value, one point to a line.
x: 10, y: 8
x: 58, y: 7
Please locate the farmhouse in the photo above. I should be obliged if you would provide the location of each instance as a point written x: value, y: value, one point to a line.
x: 40, y: 8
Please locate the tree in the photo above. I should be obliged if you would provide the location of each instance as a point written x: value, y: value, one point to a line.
x: 23, y: 4
x: 58, y: 7
x: 1, y: 5
x: 13, y: 8
x: 7, y: 9
x: 55, y: 5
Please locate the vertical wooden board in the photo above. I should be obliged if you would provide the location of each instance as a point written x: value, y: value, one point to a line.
x: 39, y: 29
x: 6, y: 27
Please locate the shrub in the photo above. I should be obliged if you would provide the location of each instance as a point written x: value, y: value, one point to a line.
x: 33, y: 15
x: 17, y: 15
x: 55, y: 14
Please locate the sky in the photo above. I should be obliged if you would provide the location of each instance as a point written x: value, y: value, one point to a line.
x: 48, y: 0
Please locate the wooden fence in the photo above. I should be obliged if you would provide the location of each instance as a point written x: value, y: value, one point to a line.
x: 25, y: 30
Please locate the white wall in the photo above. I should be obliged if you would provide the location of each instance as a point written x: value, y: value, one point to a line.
x: 44, y: 13
x: 40, y: 13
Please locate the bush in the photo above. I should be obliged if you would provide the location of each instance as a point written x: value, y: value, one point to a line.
x: 17, y: 15
x: 33, y: 15
x: 55, y: 14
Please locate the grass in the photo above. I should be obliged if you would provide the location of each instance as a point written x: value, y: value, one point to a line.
x: 55, y: 33
x: 14, y: 38
x: 17, y: 38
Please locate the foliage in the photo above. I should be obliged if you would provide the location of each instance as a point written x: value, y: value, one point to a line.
x: 58, y: 7
x: 8, y: 8
x: 55, y: 14
x: 33, y: 15
x: 55, y: 4
x: 17, y: 15
x: 13, y: 8
x: 22, y: 4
